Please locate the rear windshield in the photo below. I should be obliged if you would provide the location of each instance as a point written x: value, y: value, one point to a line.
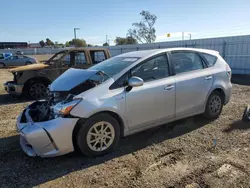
x: 211, y: 59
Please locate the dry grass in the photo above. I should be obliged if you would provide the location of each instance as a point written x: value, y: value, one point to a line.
x: 175, y: 155
x: 42, y: 58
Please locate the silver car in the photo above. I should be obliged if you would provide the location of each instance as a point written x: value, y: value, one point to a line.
x: 17, y: 60
x: 91, y: 109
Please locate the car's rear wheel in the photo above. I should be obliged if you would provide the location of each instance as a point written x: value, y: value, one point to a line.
x: 98, y: 135
x: 28, y: 63
x: 37, y: 90
x: 2, y: 65
x: 214, y: 105
x: 246, y: 114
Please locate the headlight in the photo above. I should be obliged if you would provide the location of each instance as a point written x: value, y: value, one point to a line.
x: 64, y: 108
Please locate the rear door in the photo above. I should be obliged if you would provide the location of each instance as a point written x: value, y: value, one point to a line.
x: 193, y: 82
x: 22, y: 60
x: 80, y: 60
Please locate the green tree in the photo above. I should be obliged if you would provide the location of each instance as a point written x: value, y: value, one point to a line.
x: 67, y: 44
x: 144, y: 31
x: 49, y: 42
x: 78, y: 42
x: 89, y: 45
x: 42, y: 43
x: 105, y: 44
x: 124, y: 41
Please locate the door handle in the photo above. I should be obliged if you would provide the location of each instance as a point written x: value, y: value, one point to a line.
x: 208, y: 77
x: 169, y: 87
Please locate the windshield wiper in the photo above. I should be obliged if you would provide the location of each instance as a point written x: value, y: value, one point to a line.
x: 103, y: 74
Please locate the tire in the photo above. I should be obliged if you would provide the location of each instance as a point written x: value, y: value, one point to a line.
x: 36, y: 90
x: 28, y: 63
x: 214, y: 105
x: 246, y: 114
x: 92, y: 145
x: 2, y: 65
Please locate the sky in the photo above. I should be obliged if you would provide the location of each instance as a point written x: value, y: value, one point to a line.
x: 32, y: 21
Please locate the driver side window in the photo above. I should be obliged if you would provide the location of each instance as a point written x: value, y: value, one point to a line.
x: 13, y: 57
x: 66, y: 60
x: 153, y: 69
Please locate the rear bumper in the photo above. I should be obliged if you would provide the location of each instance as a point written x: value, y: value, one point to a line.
x: 45, y: 139
x: 228, y: 93
x: 13, y: 88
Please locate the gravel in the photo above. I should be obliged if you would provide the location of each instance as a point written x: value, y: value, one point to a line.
x: 180, y: 154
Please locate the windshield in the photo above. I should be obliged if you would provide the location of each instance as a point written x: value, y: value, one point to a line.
x: 112, y: 66
x: 56, y: 57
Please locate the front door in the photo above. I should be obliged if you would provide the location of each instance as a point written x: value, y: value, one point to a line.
x: 154, y: 101
x: 12, y: 61
x: 193, y: 82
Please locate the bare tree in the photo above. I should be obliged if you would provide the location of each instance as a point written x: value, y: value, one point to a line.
x: 144, y: 31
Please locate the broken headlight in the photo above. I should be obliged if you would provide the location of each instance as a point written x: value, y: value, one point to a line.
x: 64, y: 108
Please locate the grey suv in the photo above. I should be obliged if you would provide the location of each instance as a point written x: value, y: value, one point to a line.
x: 91, y: 109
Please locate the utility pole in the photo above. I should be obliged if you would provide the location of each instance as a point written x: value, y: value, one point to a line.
x: 75, y: 32
x: 190, y: 35
x: 106, y: 38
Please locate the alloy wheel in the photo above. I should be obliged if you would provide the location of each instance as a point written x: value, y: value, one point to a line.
x: 100, y: 136
x: 38, y: 91
x: 215, y: 104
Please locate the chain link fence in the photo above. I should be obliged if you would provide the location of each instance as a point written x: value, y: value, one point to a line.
x: 235, y: 50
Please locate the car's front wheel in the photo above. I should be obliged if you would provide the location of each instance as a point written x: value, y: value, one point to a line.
x: 37, y: 90
x: 99, y: 135
x: 2, y: 65
x: 214, y: 105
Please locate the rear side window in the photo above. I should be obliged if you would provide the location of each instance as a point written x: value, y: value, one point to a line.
x: 80, y: 58
x: 211, y: 59
x: 97, y: 56
x: 186, y: 61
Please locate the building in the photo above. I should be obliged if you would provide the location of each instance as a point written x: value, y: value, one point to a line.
x: 34, y: 45
x: 6, y: 45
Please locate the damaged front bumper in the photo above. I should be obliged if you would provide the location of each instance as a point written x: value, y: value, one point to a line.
x: 45, y: 139
x: 13, y: 88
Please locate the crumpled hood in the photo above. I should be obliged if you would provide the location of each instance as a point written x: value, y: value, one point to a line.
x: 37, y: 66
x: 71, y: 78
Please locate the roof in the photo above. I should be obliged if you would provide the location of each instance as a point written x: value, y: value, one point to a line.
x: 85, y: 49
x: 146, y: 53
x: 13, y: 43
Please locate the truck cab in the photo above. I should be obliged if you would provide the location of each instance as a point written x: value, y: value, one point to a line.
x: 32, y: 80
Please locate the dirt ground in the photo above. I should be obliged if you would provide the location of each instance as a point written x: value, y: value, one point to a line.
x: 189, y: 153
x: 42, y: 58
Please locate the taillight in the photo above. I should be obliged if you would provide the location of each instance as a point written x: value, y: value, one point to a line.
x: 229, y: 72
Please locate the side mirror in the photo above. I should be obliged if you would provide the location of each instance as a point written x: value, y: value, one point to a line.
x: 135, y: 82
